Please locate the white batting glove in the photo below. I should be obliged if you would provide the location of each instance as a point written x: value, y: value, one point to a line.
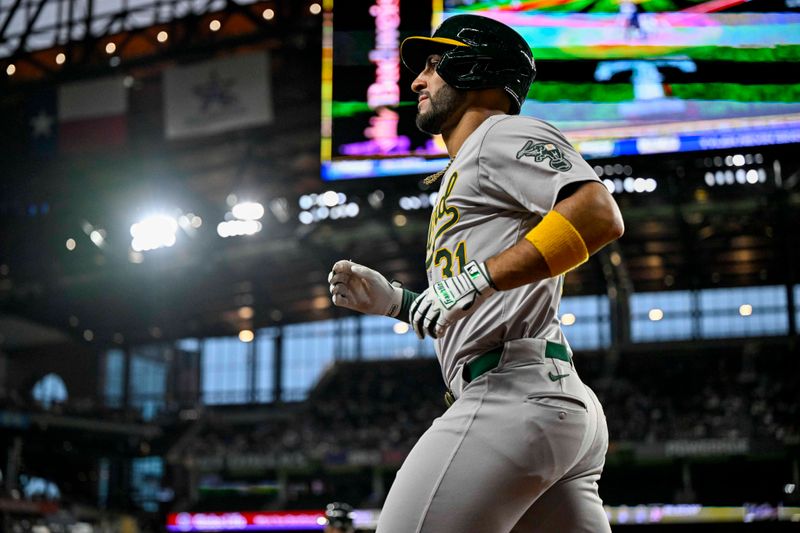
x: 362, y: 289
x: 449, y: 300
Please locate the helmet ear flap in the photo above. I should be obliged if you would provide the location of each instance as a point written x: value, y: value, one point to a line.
x: 483, y: 68
x: 464, y: 69
x: 477, y: 53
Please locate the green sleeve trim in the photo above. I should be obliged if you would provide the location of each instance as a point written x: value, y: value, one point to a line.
x: 405, y: 306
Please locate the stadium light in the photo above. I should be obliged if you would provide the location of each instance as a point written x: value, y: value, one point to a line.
x: 268, y: 14
x: 190, y: 222
x: 162, y: 36
x: 157, y: 231
x: 214, y: 25
x: 315, y: 8
x: 111, y: 48
x: 71, y: 244
x: 61, y: 58
x: 329, y: 204
x: 421, y: 201
x: 329, y: 199
x: 567, y: 319
x: 248, y: 211
x: 236, y: 228
x: 98, y: 237
x: 246, y: 335
x: 745, y: 310
x: 655, y: 314
x: 305, y: 217
x: 401, y: 328
x: 11, y: 69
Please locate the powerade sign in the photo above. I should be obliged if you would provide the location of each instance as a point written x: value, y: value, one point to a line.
x: 247, y: 521
x: 313, y: 520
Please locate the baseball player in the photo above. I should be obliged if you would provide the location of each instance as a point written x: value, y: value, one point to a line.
x: 523, y: 443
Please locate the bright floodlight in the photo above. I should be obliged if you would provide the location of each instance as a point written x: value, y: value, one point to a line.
x: 235, y: 228
x: 248, y: 211
x: 400, y: 328
x: 329, y: 199
x: 157, y: 231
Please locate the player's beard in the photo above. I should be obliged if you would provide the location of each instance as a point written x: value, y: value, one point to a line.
x: 440, y: 108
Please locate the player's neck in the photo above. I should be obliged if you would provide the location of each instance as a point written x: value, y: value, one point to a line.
x: 470, y: 121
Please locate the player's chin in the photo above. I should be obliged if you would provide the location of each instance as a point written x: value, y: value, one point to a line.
x: 429, y: 122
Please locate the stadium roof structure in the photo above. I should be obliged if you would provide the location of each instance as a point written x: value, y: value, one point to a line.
x: 34, y: 32
x: 706, y: 224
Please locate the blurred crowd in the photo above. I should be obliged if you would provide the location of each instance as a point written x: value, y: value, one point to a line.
x: 14, y: 402
x: 385, y: 406
x: 377, y: 406
x: 695, y: 397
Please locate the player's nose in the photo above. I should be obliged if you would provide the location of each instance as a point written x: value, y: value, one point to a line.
x: 418, y: 84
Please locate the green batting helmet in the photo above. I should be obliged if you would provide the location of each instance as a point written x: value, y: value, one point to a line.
x: 477, y: 53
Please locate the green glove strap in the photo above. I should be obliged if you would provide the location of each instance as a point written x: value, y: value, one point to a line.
x: 405, y: 306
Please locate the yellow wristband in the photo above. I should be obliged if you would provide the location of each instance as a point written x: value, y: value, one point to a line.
x: 559, y: 243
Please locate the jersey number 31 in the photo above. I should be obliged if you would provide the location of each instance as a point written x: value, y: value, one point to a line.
x: 444, y: 257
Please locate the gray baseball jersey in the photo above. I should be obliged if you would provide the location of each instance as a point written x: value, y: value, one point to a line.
x: 505, y: 177
x: 523, y: 446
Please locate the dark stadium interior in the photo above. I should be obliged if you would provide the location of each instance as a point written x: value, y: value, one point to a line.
x: 705, y: 413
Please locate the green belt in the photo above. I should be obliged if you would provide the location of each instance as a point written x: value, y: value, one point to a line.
x: 483, y: 363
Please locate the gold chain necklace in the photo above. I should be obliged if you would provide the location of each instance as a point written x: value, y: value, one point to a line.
x: 433, y: 178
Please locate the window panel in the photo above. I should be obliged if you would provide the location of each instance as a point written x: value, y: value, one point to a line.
x: 585, y: 321
x: 146, y: 474
x: 743, y: 312
x: 148, y: 379
x: 380, y: 340
x: 265, y: 364
x: 308, y: 349
x: 657, y: 316
x: 224, y: 371
x: 797, y: 304
x: 115, y: 376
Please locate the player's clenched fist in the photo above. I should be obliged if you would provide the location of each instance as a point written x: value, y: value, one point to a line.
x: 449, y: 300
x: 362, y: 289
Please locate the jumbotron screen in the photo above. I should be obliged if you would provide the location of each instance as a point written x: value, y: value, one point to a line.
x: 618, y: 77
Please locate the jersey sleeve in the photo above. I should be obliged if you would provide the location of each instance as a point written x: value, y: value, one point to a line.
x: 526, y: 162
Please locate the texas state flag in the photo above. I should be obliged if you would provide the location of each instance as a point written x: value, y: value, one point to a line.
x: 42, y: 121
x: 92, y: 115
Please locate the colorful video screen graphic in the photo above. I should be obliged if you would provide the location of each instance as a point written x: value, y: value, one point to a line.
x: 618, y: 77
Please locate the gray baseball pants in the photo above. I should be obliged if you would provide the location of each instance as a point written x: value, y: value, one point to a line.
x: 517, y: 452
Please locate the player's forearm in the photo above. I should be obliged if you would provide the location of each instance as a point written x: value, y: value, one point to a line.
x: 519, y: 265
x: 592, y: 213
